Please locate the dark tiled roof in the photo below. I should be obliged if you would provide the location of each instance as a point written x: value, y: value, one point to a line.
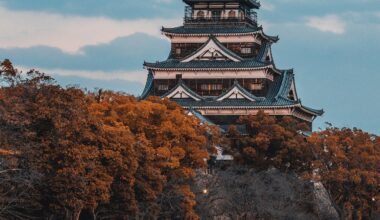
x: 148, y: 86
x: 210, y: 30
x: 244, y: 103
x: 201, y: 64
x: 271, y: 38
x: 220, y: 45
x: 263, y: 51
x: 276, y: 97
x: 202, y: 118
x: 242, y: 89
x: 183, y: 30
x: 251, y: 3
x: 187, y: 89
x: 225, y: 49
x: 236, y: 103
x: 315, y: 111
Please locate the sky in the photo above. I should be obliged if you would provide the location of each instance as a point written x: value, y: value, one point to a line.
x: 333, y: 46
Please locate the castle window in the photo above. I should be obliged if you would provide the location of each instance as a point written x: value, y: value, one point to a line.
x: 246, y: 50
x: 200, y: 15
x: 256, y: 86
x: 231, y: 14
x: 216, y: 15
x: 163, y: 87
x: 211, y: 87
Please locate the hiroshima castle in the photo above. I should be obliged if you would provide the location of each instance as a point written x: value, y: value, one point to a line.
x: 221, y: 67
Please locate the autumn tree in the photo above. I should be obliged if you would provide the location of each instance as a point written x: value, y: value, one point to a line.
x: 345, y: 160
x: 99, y: 155
x: 51, y: 128
x: 271, y: 141
x: 168, y: 147
x: 348, y: 164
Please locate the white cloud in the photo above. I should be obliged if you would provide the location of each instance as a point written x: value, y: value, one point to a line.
x: 329, y: 23
x: 133, y: 76
x: 69, y: 33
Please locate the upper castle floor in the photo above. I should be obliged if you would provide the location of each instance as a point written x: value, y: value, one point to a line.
x: 221, y: 13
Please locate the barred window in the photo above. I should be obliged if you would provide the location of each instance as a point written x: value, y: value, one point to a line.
x: 163, y: 87
x: 232, y: 14
x: 256, y: 86
x: 211, y: 87
x: 200, y: 15
x: 246, y: 50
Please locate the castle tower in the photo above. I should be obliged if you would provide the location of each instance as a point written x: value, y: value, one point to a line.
x: 221, y: 66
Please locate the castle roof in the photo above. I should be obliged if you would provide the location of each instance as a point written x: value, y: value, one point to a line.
x: 249, y: 3
x: 216, y: 31
x: 172, y: 64
x: 277, y: 97
x: 148, y: 86
x: 215, y: 45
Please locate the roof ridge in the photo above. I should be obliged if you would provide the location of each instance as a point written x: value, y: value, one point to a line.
x: 185, y: 87
x: 218, y: 44
x: 148, y: 86
x: 241, y: 89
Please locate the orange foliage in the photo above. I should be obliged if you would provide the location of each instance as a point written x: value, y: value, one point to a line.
x: 349, y: 166
x: 346, y: 161
x: 271, y: 142
x: 103, y: 152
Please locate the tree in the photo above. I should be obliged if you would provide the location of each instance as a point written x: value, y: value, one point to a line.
x: 345, y: 160
x: 168, y: 147
x: 271, y: 142
x: 348, y: 164
x: 99, y: 155
x: 51, y: 128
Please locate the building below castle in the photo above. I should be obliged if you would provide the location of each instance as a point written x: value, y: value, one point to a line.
x: 221, y: 67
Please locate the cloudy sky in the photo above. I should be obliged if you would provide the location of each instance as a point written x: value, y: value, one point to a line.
x: 333, y: 45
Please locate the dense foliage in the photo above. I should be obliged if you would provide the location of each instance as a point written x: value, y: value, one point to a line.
x: 346, y: 161
x: 70, y: 154
x: 67, y: 154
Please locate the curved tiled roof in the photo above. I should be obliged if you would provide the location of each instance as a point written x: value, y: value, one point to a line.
x: 205, y: 31
x: 202, y: 118
x: 263, y: 51
x: 277, y: 96
x: 314, y: 111
x: 241, y: 89
x: 210, y: 30
x: 233, y: 103
x: 203, y: 64
x: 148, y: 86
x: 251, y: 3
x: 221, y: 47
x: 187, y: 89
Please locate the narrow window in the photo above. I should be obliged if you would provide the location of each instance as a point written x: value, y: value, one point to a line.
x: 246, y: 50
x: 216, y: 15
x: 200, y: 15
x: 163, y: 87
x: 211, y: 87
x: 231, y: 14
x: 256, y: 86
x: 204, y: 87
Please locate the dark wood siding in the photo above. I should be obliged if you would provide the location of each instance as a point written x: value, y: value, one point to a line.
x: 212, y: 86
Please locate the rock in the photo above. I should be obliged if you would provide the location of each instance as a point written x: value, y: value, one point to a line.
x: 241, y: 193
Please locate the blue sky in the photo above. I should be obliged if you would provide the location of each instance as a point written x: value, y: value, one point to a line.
x: 333, y: 46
